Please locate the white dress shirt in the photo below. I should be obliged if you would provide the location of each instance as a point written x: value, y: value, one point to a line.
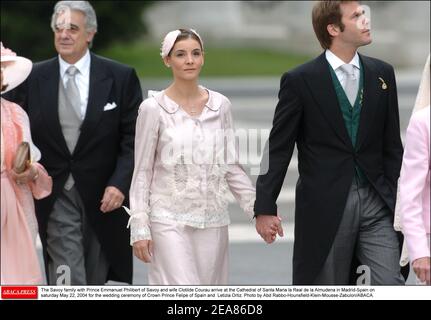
x: 82, y: 78
x: 336, y: 63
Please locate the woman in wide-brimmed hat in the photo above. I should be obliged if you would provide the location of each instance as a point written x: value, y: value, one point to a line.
x: 19, y: 262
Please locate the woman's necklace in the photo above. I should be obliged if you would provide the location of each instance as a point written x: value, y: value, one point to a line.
x: 193, y: 111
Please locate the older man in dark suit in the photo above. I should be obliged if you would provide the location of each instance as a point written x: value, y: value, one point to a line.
x: 82, y: 110
x: 341, y: 110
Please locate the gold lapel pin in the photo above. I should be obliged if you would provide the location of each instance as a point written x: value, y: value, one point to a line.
x: 384, y: 85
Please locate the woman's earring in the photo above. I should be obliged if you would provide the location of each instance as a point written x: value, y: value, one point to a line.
x: 168, y: 65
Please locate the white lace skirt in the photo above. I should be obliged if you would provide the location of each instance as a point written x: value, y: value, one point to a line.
x: 184, y: 255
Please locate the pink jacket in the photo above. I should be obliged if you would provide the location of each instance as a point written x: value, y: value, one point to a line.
x: 414, y: 185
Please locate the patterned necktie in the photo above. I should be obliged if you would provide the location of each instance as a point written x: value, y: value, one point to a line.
x: 351, y: 86
x: 72, y: 90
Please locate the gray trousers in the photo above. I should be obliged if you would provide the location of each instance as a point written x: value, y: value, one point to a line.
x: 366, y: 231
x: 74, y: 252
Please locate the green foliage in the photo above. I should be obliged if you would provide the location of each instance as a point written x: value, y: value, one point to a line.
x: 25, y: 25
x: 219, y: 62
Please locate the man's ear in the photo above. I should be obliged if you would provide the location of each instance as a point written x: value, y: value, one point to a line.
x: 333, y: 30
x: 90, y: 36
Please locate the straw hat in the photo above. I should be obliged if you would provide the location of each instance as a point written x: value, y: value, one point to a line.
x: 16, y: 68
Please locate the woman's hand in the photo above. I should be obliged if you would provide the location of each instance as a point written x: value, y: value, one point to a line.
x: 421, y: 267
x: 27, y: 176
x: 143, y: 250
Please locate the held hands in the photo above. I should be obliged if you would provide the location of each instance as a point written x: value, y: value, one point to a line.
x: 268, y: 227
x: 421, y: 267
x: 112, y: 199
x: 143, y: 250
x: 29, y: 175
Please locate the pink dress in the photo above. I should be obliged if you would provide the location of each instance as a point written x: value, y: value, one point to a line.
x: 19, y: 262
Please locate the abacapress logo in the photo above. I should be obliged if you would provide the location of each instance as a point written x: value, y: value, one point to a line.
x: 19, y: 292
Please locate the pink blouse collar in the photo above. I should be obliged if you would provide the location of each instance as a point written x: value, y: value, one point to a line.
x: 171, y: 107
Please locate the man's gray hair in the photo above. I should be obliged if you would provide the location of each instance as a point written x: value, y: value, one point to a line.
x: 83, y: 6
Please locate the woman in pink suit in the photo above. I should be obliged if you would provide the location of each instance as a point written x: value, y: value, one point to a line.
x: 414, y: 184
x: 19, y: 262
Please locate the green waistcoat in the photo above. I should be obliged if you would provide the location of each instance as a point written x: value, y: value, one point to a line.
x: 351, y: 115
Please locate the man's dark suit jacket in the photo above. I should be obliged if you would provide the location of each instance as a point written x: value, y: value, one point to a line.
x: 103, y: 155
x: 308, y: 114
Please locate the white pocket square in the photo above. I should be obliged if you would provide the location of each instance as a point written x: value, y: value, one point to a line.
x: 110, y: 106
